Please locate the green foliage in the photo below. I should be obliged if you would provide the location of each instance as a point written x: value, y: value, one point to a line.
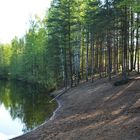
x: 5, y: 55
x: 29, y: 103
x: 53, y: 51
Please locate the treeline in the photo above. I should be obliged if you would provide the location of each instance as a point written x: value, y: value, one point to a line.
x: 76, y: 40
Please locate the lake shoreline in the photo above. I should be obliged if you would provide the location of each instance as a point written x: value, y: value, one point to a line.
x: 23, y: 108
x: 93, y: 111
x: 59, y: 105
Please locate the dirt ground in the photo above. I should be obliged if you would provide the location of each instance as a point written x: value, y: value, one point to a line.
x: 94, y: 111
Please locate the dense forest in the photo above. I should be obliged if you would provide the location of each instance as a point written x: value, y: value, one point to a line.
x: 76, y: 40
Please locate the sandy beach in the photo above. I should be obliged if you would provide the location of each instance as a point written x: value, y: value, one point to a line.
x: 94, y: 111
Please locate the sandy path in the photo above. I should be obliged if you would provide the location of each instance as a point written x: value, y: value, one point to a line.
x: 94, y: 111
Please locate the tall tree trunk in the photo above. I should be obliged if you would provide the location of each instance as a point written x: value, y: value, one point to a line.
x: 117, y: 53
x: 65, y: 68
x: 69, y: 45
x: 92, y: 56
x: 87, y: 66
x: 132, y: 42
x: 125, y: 37
x: 78, y: 57
x: 105, y: 57
x: 82, y: 61
x: 97, y: 54
x: 101, y: 59
x: 137, y: 43
x: 109, y: 54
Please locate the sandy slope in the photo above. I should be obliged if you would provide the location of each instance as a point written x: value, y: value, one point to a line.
x: 94, y: 111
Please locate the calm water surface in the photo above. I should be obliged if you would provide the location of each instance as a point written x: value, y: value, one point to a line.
x: 22, y: 108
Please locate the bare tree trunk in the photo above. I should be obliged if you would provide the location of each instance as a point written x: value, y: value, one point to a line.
x: 105, y: 57
x: 125, y: 32
x: 96, y: 56
x: 82, y: 63
x: 117, y: 52
x: 65, y: 68
x: 109, y: 54
x: 137, y: 43
x: 78, y: 69
x: 132, y: 42
x: 101, y: 59
x: 87, y: 66
x: 92, y: 56
x: 69, y: 45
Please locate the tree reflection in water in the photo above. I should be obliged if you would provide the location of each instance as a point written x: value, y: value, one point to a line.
x: 29, y: 103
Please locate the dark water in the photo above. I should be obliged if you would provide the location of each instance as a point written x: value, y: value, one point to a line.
x: 22, y: 108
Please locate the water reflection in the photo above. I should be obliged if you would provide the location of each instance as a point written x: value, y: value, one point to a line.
x: 28, y: 103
